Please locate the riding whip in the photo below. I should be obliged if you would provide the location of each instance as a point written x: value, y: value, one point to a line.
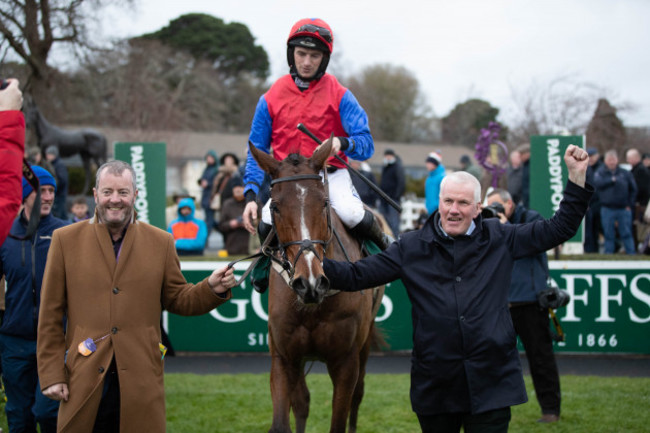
x: 374, y: 187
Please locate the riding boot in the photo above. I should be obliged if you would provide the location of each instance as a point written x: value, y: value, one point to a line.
x: 260, y: 273
x: 369, y: 229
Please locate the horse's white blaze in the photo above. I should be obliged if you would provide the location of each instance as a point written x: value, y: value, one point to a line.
x: 304, y: 231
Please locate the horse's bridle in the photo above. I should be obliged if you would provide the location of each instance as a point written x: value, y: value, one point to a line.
x: 305, y: 244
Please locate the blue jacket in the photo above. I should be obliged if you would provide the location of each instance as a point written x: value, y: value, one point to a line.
x: 190, y: 234
x: 432, y: 188
x: 529, y: 274
x: 465, y: 356
x: 23, y: 263
x: 616, y: 189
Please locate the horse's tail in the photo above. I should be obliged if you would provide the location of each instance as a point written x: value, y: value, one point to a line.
x: 377, y: 338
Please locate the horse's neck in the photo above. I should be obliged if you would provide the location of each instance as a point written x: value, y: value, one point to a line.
x: 41, y: 125
x: 45, y: 128
x: 348, y: 242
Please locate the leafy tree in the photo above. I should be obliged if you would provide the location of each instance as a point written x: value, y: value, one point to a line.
x: 230, y: 47
x: 391, y: 96
x: 605, y: 130
x: 463, y: 124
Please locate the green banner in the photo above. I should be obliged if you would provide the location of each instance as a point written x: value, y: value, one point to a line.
x: 149, y: 160
x: 609, y: 312
x: 609, y: 309
x: 548, y: 176
x: 241, y: 324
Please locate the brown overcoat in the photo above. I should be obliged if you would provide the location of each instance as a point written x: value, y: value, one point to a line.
x: 118, y: 303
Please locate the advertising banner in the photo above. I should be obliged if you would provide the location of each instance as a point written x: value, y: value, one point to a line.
x: 548, y: 176
x: 609, y: 312
x: 149, y: 160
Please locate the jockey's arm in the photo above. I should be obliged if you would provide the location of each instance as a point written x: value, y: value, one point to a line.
x: 358, y: 144
x: 260, y: 136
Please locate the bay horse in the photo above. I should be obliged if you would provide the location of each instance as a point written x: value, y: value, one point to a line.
x: 88, y: 143
x: 308, y: 319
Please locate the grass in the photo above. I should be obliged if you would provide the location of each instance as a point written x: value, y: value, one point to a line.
x: 242, y: 403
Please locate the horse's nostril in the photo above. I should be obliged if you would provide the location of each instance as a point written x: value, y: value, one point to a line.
x: 299, y: 286
x: 308, y: 294
x: 322, y: 284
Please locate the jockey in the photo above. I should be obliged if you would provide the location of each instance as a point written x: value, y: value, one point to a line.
x: 310, y: 96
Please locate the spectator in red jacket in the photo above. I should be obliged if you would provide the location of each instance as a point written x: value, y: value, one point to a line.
x: 12, y: 148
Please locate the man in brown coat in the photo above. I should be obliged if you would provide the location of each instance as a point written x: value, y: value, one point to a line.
x: 111, y: 276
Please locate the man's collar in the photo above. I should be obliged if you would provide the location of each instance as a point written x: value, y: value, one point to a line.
x: 470, y: 229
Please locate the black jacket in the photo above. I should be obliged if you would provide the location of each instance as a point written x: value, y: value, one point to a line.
x: 393, y: 182
x: 465, y: 356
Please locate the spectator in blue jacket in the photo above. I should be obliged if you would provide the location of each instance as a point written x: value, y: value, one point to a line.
x: 529, y: 277
x: 190, y: 234
x: 617, y: 191
x: 22, y: 263
x: 432, y: 183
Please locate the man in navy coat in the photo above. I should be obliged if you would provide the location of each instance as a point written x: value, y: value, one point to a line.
x: 465, y: 365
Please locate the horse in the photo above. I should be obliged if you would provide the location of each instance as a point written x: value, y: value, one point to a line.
x: 88, y: 143
x: 307, y: 319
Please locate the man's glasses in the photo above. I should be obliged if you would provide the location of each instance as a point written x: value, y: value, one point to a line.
x: 321, y: 31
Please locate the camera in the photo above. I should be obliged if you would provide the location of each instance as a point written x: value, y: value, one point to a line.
x: 493, y: 210
x: 4, y: 83
x: 553, y: 297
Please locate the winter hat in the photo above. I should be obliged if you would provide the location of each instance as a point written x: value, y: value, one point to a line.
x: 52, y: 150
x: 44, y: 178
x: 434, y: 158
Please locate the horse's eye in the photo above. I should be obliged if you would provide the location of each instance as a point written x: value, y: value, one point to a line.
x: 274, y: 207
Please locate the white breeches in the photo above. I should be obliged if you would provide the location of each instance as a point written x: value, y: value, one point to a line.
x: 344, y: 199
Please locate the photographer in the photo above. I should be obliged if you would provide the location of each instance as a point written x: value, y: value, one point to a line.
x: 529, y: 276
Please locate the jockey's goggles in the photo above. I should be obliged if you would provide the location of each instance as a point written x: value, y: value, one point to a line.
x: 321, y: 31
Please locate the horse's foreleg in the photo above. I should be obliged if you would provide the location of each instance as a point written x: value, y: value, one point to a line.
x: 359, y: 389
x: 300, y: 403
x: 284, y: 379
x: 344, y: 377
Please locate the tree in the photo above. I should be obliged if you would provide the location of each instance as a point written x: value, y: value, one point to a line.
x: 31, y: 28
x: 563, y: 105
x: 392, y: 99
x: 145, y: 85
x: 605, y: 130
x: 230, y: 47
x: 463, y: 124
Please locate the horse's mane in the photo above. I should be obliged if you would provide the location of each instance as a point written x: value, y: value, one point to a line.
x: 295, y: 159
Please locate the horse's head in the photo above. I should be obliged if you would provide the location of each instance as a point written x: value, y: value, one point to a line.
x: 300, y: 213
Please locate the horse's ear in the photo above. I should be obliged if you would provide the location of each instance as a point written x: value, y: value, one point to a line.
x: 264, y: 160
x: 322, y: 154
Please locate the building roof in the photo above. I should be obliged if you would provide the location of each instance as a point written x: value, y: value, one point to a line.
x: 184, y: 146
